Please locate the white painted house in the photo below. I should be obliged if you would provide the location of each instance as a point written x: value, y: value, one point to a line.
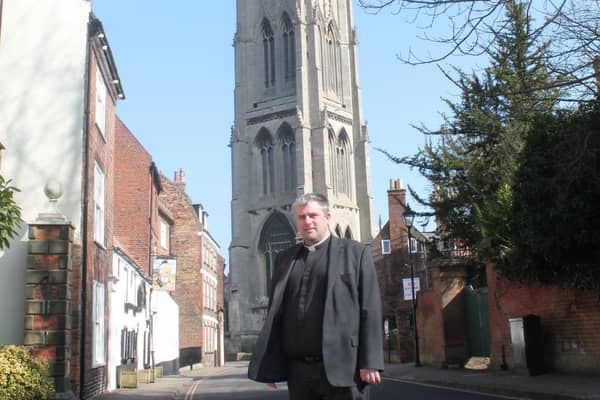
x: 143, y: 323
x: 43, y: 46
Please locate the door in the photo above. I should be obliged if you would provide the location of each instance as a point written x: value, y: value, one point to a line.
x: 478, y: 327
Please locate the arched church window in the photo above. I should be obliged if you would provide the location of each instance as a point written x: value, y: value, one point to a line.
x: 288, y: 149
x: 348, y: 234
x: 264, y: 145
x: 268, y: 53
x: 332, y: 61
x: 343, y: 164
x: 338, y: 231
x: 277, y: 235
x: 332, y: 158
x: 289, y: 48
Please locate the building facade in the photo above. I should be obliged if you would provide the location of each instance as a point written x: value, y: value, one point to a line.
x: 392, y: 254
x: 212, y: 294
x: 298, y: 128
x: 197, y: 277
x: 143, y: 322
x: 60, y: 88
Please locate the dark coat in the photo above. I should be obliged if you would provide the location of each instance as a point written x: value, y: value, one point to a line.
x: 352, y: 324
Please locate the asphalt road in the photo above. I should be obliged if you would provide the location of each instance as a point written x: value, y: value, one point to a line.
x: 238, y: 387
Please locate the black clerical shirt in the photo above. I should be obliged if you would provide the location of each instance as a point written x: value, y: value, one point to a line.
x: 304, y: 302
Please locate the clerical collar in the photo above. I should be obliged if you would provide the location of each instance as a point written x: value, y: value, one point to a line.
x: 313, y: 247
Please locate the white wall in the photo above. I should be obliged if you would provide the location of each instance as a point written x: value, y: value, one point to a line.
x: 42, y: 76
x: 123, y: 271
x: 166, y: 327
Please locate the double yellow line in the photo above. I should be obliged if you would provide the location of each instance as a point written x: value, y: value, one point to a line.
x: 190, y: 393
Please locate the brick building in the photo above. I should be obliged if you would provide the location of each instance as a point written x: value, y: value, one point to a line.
x: 89, y: 336
x: 212, y: 293
x: 199, y: 271
x: 390, y: 249
x: 141, y: 319
x: 58, y: 69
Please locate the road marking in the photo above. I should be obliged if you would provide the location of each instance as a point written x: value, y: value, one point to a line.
x: 454, y: 389
x: 190, y: 393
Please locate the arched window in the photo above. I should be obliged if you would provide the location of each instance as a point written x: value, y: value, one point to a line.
x: 338, y: 231
x: 287, y: 143
x: 348, y: 234
x: 289, y: 48
x: 264, y: 145
x: 276, y: 235
x: 332, y: 57
x: 268, y: 53
x: 331, y: 146
x: 340, y: 164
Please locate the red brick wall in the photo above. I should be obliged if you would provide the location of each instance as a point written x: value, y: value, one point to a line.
x: 570, y: 322
x: 48, y: 282
x: 135, y: 198
x: 75, y: 318
x: 397, y: 228
x: 430, y: 323
x: 441, y: 317
x: 391, y: 268
x: 186, y: 246
x: 98, y: 259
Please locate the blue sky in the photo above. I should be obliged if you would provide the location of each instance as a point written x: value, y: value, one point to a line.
x: 176, y: 60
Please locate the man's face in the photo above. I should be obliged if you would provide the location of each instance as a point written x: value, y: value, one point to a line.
x: 312, y: 222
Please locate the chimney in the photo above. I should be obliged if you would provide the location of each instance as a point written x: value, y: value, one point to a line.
x: 396, y: 207
x: 179, y: 179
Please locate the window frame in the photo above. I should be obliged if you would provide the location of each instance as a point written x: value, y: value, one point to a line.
x: 100, y: 110
x: 268, y: 40
x: 386, y: 246
x: 165, y: 234
x: 289, y: 48
x: 413, y: 246
x: 99, y: 205
x: 99, y: 332
x: 132, y: 288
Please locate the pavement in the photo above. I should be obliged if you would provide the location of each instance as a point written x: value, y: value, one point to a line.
x: 511, y: 383
x: 516, y: 384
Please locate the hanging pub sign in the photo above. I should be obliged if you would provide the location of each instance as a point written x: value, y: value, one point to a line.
x: 163, y: 273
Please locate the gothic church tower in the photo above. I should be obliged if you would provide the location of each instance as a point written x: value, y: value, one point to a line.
x: 297, y: 129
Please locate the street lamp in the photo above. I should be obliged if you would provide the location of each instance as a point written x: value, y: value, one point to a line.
x: 409, y: 217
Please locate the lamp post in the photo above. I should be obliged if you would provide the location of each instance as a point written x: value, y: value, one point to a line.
x: 409, y: 216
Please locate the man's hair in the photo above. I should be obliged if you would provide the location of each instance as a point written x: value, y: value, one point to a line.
x: 308, y: 197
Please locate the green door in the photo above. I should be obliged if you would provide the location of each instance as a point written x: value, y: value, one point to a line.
x: 478, y: 327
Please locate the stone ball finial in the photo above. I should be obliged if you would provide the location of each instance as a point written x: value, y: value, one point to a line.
x: 53, y: 189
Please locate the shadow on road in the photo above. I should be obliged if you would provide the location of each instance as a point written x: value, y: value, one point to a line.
x: 247, y: 395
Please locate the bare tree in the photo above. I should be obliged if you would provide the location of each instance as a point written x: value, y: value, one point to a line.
x: 571, y: 29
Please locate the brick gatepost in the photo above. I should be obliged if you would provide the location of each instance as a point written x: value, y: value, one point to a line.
x: 48, y: 299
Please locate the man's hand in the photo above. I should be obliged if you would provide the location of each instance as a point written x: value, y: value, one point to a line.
x: 370, y: 376
x: 272, y: 385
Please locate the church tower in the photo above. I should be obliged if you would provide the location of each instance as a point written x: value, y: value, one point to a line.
x: 298, y: 129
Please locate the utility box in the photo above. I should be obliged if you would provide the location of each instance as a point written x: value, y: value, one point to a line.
x: 527, y: 343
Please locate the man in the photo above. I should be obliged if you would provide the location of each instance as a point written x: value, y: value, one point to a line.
x: 323, y: 330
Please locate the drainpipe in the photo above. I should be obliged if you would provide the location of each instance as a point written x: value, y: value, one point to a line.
x: 150, y: 267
